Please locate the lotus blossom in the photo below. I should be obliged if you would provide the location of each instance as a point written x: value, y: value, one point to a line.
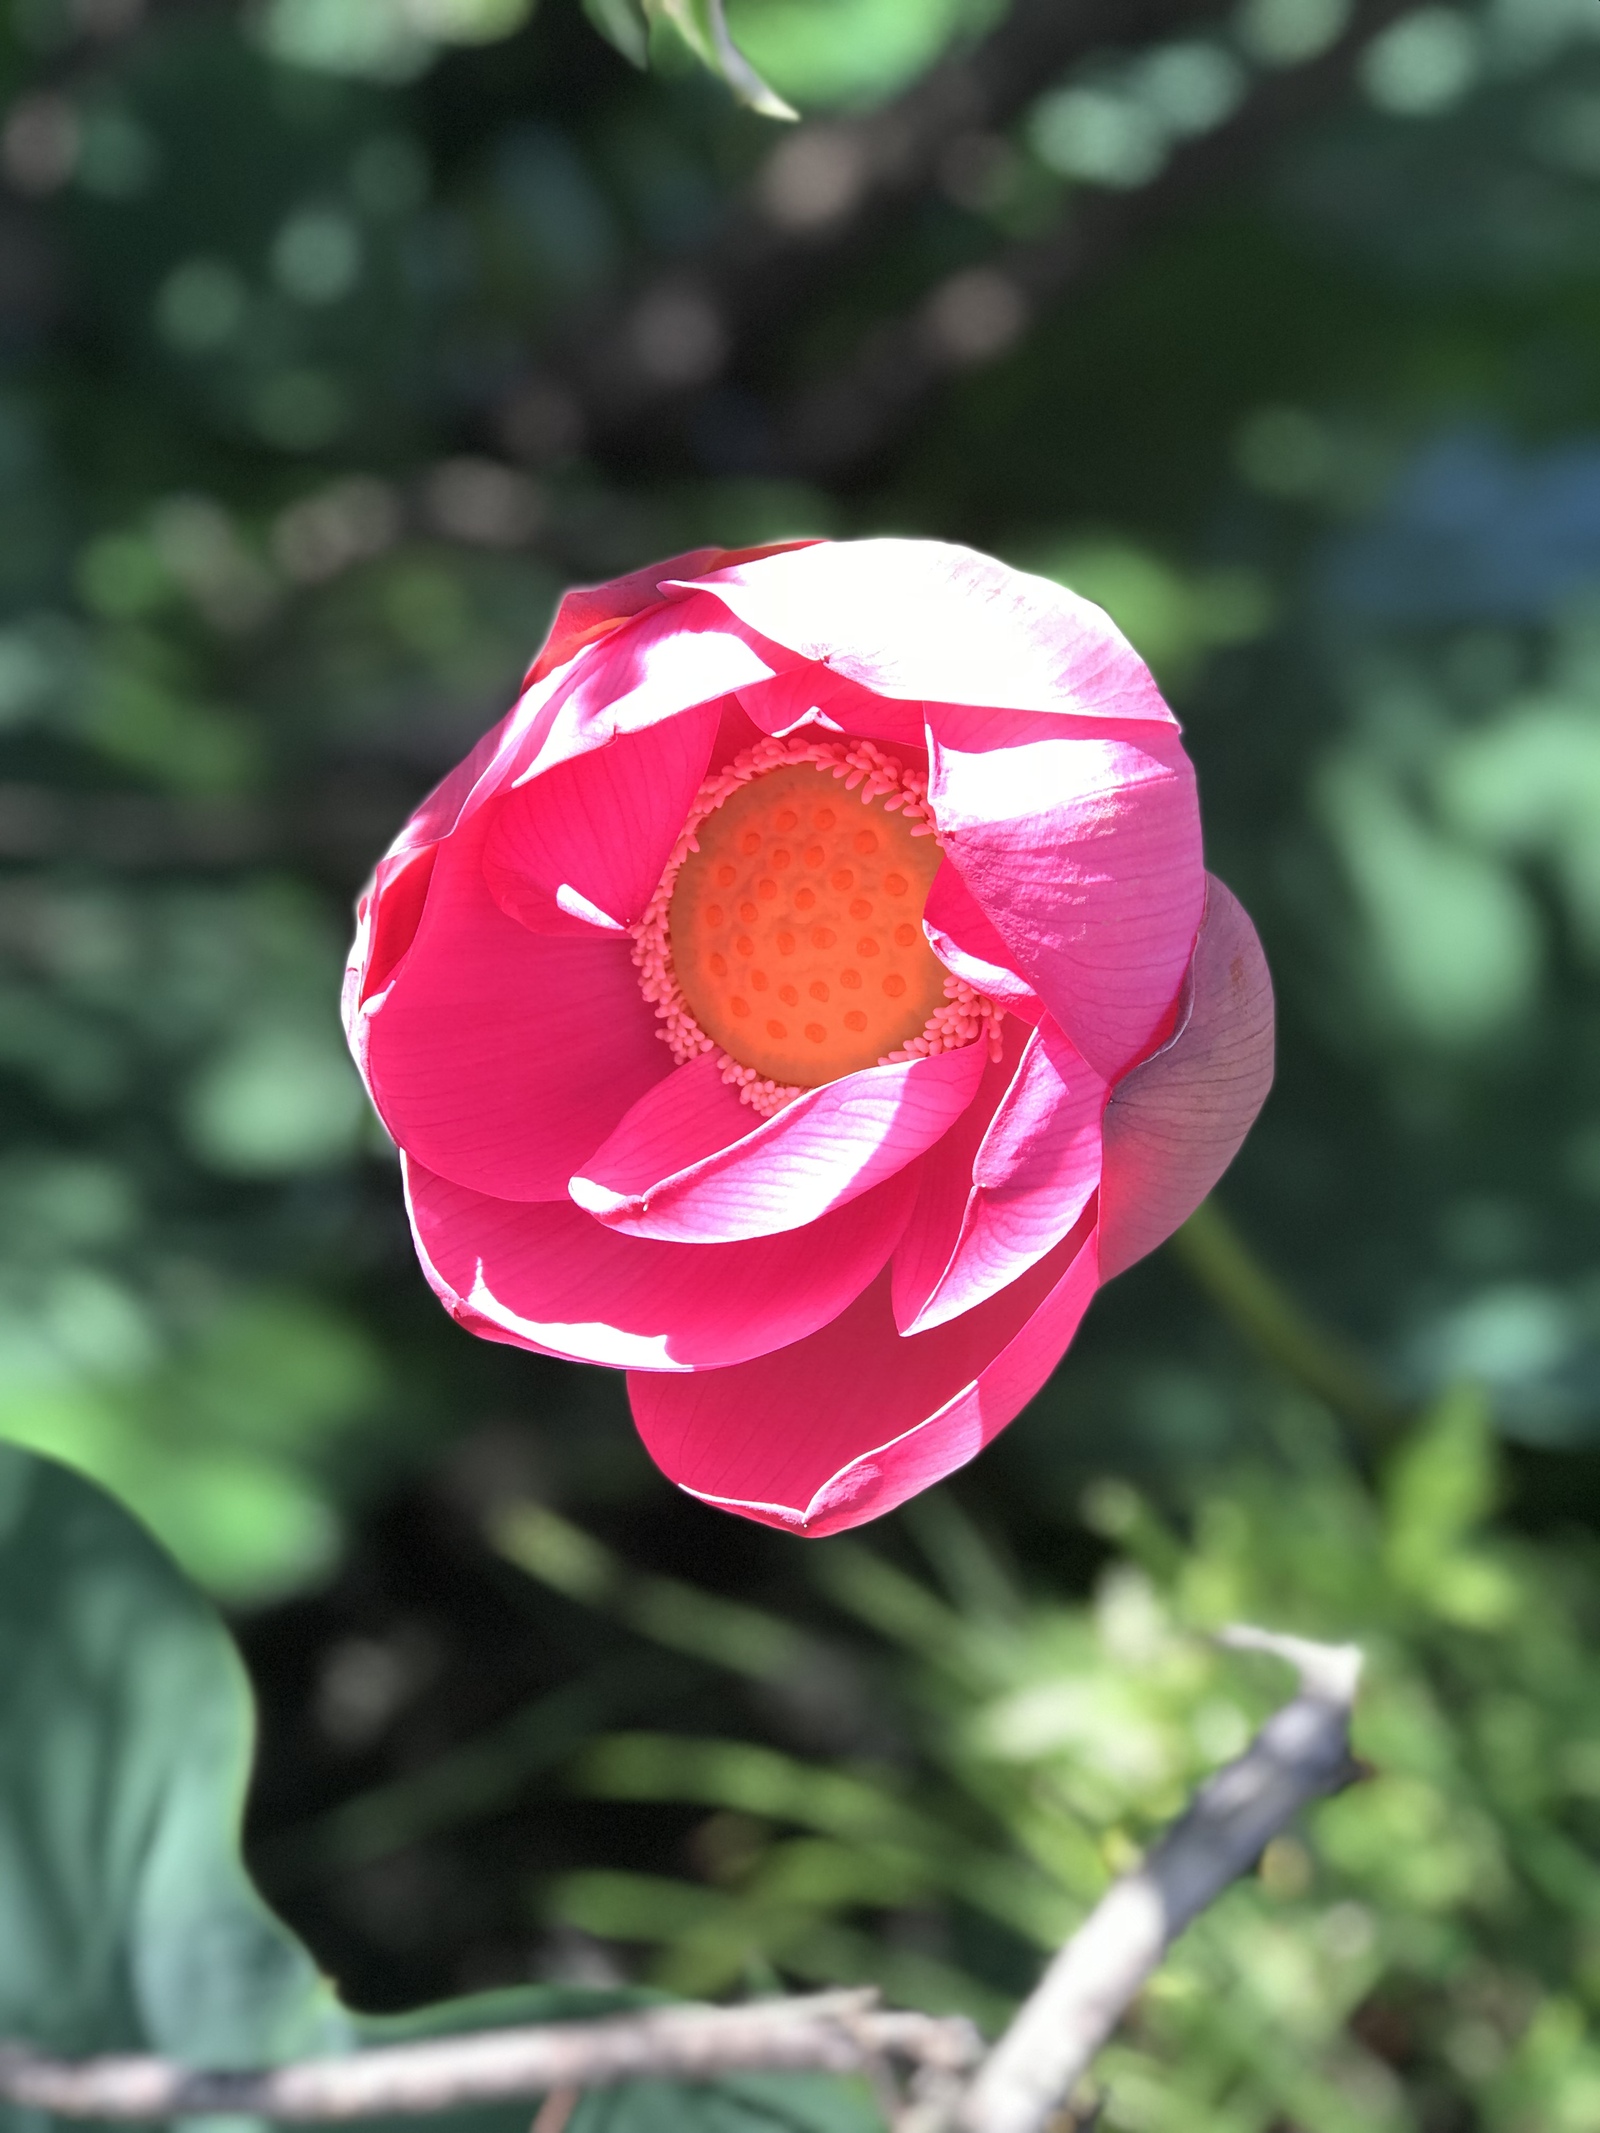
x: 803, y: 999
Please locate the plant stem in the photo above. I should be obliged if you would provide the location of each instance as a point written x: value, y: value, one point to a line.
x: 1260, y: 1308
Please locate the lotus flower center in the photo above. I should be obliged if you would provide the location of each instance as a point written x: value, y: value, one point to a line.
x: 796, y: 928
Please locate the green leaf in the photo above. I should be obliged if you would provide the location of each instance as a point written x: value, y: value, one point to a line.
x: 623, y: 23
x: 703, y: 27
x: 127, y: 1919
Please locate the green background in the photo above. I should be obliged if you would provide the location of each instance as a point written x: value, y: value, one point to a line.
x: 336, y: 336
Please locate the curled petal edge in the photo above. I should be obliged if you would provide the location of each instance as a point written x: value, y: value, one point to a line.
x: 822, y: 1150
x: 1033, y: 1173
x: 1176, y: 1122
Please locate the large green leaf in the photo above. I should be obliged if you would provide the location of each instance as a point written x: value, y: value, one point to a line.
x: 127, y: 1919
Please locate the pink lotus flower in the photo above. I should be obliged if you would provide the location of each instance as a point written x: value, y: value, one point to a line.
x: 803, y: 999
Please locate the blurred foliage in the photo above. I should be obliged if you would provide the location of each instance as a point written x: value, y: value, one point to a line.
x: 335, y: 337
x: 1428, y: 1947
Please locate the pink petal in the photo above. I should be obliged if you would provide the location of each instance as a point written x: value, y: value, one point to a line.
x: 594, y: 834
x: 1175, y: 1124
x: 663, y: 663
x: 935, y: 1224
x: 589, y: 612
x: 904, y: 620
x: 1085, y: 855
x: 735, y: 733
x: 1031, y: 1178
x: 814, y: 695
x: 692, y: 1114
x: 585, y: 617
x: 842, y: 1427
x: 391, y: 905
x: 542, y: 1275
x: 920, y: 620
x: 967, y: 944
x: 445, y: 805
x: 645, y: 671
x: 821, y: 1151
x: 387, y: 917
x: 497, y: 1057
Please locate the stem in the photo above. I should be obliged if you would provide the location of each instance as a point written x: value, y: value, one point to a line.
x: 1259, y: 1307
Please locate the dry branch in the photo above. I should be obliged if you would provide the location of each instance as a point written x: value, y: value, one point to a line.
x: 833, y: 2032
x: 639, y: 365
x: 838, y: 424
x: 1301, y: 1753
x: 825, y: 191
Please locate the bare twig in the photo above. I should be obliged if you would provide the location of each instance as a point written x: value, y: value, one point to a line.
x: 838, y: 424
x: 640, y: 364
x: 826, y: 190
x: 831, y: 2032
x: 1302, y: 1752
x: 557, y: 2108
